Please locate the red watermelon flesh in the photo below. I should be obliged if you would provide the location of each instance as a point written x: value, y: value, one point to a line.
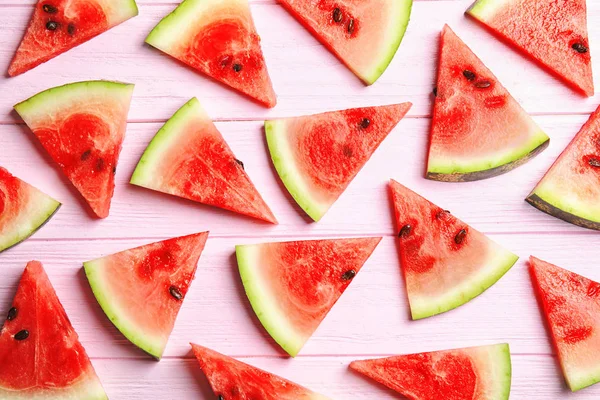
x: 571, y: 306
x: 59, y: 25
x: 40, y: 353
x: 478, y: 129
x: 234, y: 380
x: 217, y: 38
x: 141, y: 290
x: 552, y: 33
x: 476, y: 373
x: 82, y: 126
x: 446, y: 262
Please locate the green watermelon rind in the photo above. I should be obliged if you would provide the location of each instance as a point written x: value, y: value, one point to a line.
x: 88, y: 388
x: 499, y: 264
x: 153, y: 346
x: 263, y: 305
x: 483, y: 9
x: 578, y: 380
x: 283, y: 160
x: 502, y: 375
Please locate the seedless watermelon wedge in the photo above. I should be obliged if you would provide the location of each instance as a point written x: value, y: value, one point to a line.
x: 552, y: 33
x: 59, y: 25
x: 40, y: 354
x: 82, y: 126
x: 364, y: 35
x: 293, y: 285
x: 571, y: 306
x: 23, y: 210
x: 189, y: 158
x: 446, y: 262
x: 231, y: 379
x: 317, y: 156
x: 570, y: 189
x: 141, y: 290
x: 478, y: 129
x: 475, y: 373
x: 217, y: 38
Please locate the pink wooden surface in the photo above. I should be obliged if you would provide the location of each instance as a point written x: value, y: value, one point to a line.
x: 371, y: 319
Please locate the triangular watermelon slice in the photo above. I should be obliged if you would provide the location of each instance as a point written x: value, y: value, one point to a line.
x: 293, y: 285
x: 478, y: 130
x: 189, y: 158
x: 23, y: 210
x: 217, y: 38
x: 571, y: 307
x: 446, y: 262
x: 570, y: 189
x: 59, y: 25
x: 141, y: 290
x: 40, y: 353
x: 317, y: 156
x: 82, y: 126
x: 364, y: 35
x: 231, y: 379
x: 552, y: 33
x: 474, y: 373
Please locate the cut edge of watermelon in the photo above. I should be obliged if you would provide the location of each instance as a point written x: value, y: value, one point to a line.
x: 566, y: 208
x: 88, y: 388
x: 497, y: 266
x: 281, y: 154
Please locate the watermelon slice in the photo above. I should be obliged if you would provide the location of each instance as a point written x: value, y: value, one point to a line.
x: 217, y: 38
x: 40, y: 353
x: 231, y: 379
x: 82, y: 126
x: 570, y: 189
x: 317, y: 156
x: 478, y: 129
x: 446, y: 262
x: 189, y: 158
x: 475, y: 373
x: 59, y: 25
x: 141, y: 290
x: 571, y: 307
x: 552, y: 33
x: 23, y: 210
x: 293, y: 285
x: 364, y: 35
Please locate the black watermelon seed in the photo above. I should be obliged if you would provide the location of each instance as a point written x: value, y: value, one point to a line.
x: 460, y: 236
x: 52, y: 25
x: 85, y: 155
x: 240, y: 163
x: 442, y: 213
x: 351, y: 26
x: 579, y: 47
x: 100, y: 164
x: 114, y: 170
x: 22, y: 335
x: 483, y: 84
x: 470, y: 75
x: 49, y: 8
x: 221, y: 397
x: 594, y: 162
x: 71, y: 29
x: 435, y: 91
x: 337, y: 15
x: 174, y: 290
x: 237, y: 67
x: 12, y: 314
x: 350, y: 274
x: 405, y: 231
x: 365, y: 123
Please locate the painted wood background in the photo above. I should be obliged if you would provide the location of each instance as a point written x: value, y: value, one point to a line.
x: 372, y: 318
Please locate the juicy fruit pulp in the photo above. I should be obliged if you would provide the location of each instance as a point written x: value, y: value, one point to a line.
x: 217, y: 38
x: 293, y: 285
x: 446, y: 262
x: 59, y: 25
x: 570, y: 189
x: 189, y: 158
x: 23, y: 210
x: 571, y: 305
x: 317, y: 156
x: 475, y: 373
x: 364, y: 35
x: 82, y: 126
x: 141, y: 290
x: 552, y: 33
x: 40, y: 353
x: 234, y: 380
x: 478, y: 129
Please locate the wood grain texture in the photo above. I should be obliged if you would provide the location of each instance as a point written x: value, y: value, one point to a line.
x: 372, y: 317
